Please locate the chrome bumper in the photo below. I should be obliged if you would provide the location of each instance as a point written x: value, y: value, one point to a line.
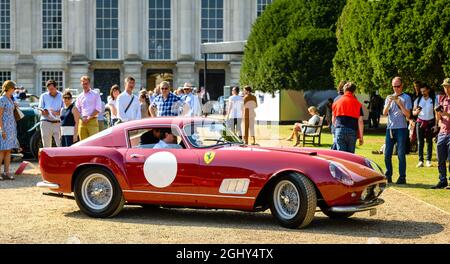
x: 357, y: 208
x: 47, y: 185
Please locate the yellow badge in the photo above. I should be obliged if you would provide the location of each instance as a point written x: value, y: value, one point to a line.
x: 209, y: 156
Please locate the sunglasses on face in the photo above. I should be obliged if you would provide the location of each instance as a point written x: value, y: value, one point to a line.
x: 165, y: 88
x: 396, y: 86
x: 68, y: 98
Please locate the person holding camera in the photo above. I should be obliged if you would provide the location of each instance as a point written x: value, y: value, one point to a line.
x: 398, y: 109
x: 443, y: 140
x: 424, y: 111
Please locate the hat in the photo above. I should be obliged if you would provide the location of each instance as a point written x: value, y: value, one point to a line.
x: 187, y: 85
x: 7, y: 85
x: 446, y: 81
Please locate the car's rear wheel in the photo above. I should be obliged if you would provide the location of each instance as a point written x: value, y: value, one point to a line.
x: 98, y: 193
x: 293, y: 201
x: 35, y: 144
x: 335, y: 215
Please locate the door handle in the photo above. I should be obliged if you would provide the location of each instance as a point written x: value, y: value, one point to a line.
x: 136, y: 156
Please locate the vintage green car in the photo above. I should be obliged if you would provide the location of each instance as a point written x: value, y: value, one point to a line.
x: 28, y: 131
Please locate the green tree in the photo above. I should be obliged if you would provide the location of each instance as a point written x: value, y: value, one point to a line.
x: 292, y: 45
x: 378, y: 40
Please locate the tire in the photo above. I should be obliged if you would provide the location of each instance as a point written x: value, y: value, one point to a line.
x: 334, y: 215
x: 107, y: 203
x: 303, y: 205
x: 35, y: 144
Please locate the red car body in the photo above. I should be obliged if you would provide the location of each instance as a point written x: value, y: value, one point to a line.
x: 205, y: 177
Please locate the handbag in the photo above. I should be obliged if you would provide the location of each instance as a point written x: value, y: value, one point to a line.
x: 18, y: 114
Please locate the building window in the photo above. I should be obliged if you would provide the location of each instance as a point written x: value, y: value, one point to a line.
x: 159, y: 29
x: 212, y: 24
x: 5, y: 24
x: 58, y: 76
x: 261, y: 5
x: 4, y: 76
x: 107, y: 29
x: 52, y: 24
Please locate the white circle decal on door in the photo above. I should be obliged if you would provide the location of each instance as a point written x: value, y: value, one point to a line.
x: 160, y: 169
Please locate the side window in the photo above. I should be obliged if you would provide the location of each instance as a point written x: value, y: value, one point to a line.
x: 148, y: 137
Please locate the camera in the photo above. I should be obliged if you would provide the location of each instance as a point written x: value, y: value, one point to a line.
x: 439, y: 108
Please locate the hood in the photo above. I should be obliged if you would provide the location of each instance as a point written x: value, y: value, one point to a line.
x: 360, y: 172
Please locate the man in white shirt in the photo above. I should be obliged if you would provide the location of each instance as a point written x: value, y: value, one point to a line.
x: 128, y: 106
x: 424, y: 110
x: 234, y: 112
x: 168, y: 140
x: 195, y: 108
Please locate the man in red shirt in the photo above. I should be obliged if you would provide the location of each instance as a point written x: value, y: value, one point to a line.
x: 348, y: 120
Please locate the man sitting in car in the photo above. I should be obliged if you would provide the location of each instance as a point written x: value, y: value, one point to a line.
x: 168, y: 140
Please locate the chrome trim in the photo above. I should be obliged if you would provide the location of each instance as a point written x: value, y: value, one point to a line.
x: 192, y: 194
x: 357, y: 208
x: 46, y: 184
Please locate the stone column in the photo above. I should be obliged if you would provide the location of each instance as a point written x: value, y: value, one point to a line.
x: 78, y: 69
x: 134, y: 69
x: 77, y: 9
x: 25, y: 68
x: 132, y: 9
x: 235, y: 72
x: 185, y: 33
x: 185, y: 72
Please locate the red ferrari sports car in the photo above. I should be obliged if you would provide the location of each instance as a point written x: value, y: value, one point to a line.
x: 207, y: 166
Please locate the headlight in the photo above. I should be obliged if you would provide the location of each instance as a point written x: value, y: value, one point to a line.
x: 373, y: 165
x: 340, y: 174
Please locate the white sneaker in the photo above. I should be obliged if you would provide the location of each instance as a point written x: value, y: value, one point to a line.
x: 428, y: 164
x: 420, y: 164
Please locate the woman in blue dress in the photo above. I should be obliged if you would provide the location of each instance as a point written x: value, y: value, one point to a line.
x: 8, y: 130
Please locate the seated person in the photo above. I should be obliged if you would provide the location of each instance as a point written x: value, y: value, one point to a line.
x: 314, y: 120
x: 168, y: 140
x: 150, y: 137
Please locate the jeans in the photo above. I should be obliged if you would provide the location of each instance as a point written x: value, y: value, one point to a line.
x: 345, y: 139
x: 443, y: 148
x: 66, y: 141
x: 421, y: 136
x: 399, y: 136
x: 333, y: 146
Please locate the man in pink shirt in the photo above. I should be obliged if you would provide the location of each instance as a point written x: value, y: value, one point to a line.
x: 89, y: 105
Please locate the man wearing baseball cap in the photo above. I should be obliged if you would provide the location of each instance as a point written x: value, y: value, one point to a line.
x: 443, y: 117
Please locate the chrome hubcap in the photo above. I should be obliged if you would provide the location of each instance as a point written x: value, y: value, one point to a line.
x: 97, y: 191
x: 286, y: 199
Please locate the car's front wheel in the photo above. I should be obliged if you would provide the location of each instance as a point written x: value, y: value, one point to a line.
x: 293, y: 201
x: 98, y: 193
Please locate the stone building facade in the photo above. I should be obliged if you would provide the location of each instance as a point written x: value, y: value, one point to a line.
x: 110, y: 39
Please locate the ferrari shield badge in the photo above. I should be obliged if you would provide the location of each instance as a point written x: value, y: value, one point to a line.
x: 209, y: 157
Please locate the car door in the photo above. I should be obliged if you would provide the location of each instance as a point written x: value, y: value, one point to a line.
x: 162, y: 175
x: 226, y: 179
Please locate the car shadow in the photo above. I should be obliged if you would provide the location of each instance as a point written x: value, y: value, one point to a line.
x: 356, y: 226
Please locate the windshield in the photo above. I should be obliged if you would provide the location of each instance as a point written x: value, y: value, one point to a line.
x: 210, y: 134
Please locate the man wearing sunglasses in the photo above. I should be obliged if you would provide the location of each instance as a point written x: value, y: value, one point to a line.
x: 398, y: 109
x: 167, y: 103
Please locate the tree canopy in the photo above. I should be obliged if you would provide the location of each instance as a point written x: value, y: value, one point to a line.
x: 378, y: 40
x: 291, y: 46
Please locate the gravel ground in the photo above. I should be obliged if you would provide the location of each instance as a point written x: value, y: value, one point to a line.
x: 29, y: 217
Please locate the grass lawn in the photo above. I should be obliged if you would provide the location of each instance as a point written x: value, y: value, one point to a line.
x: 419, y: 179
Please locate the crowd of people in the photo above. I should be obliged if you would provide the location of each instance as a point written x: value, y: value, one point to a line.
x: 418, y: 117
x: 64, y: 121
